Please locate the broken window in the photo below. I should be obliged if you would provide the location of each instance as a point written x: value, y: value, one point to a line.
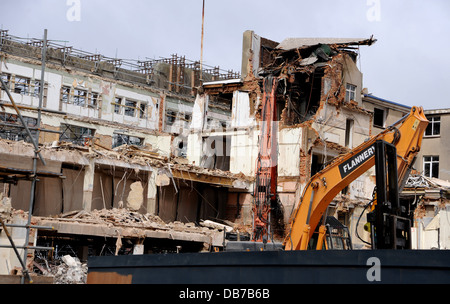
x: 216, y: 152
x: 378, y: 118
x: 130, y: 107
x: 187, y: 119
x: 11, y: 127
x: 171, y: 116
x: 350, y: 92
x: 117, y: 104
x: 36, y: 88
x: 349, y: 133
x: 123, y: 139
x: 142, y: 109
x: 22, y: 85
x: 431, y: 166
x: 76, y: 135
x: 434, y: 126
x: 318, y: 162
x: 93, y: 99
x: 79, y: 97
x: 6, y: 79
x: 65, y: 94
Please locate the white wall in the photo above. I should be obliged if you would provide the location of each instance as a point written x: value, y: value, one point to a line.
x: 432, y: 233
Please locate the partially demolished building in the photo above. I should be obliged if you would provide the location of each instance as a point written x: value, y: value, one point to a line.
x: 160, y: 156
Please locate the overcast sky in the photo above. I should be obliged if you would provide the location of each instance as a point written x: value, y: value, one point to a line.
x: 409, y: 64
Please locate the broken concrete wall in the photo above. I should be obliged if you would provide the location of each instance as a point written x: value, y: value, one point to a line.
x: 431, y: 228
x: 241, y: 112
x: 244, y: 150
x: 331, y: 123
x: 289, y: 145
x: 199, y: 112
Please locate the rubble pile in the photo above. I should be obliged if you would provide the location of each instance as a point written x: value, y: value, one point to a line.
x: 67, y: 270
x: 121, y: 217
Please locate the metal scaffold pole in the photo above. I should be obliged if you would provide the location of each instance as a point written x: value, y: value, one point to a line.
x: 37, y: 154
x: 36, y: 140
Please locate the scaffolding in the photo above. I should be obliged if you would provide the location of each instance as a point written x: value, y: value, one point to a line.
x: 184, y: 76
x: 12, y: 175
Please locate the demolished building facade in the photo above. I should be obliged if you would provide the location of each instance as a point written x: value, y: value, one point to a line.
x: 148, y: 156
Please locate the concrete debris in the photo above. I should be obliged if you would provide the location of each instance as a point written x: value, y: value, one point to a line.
x: 420, y: 181
x: 119, y: 217
x: 135, y: 197
x: 215, y: 225
x: 70, y: 271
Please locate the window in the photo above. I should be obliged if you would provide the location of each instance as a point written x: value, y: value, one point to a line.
x: 11, y: 127
x: 378, y: 118
x: 65, y: 94
x: 122, y: 139
x: 93, y: 100
x: 22, y: 85
x: 434, y: 126
x: 6, y: 79
x: 142, y: 108
x: 75, y: 134
x: 431, y: 166
x: 117, y: 105
x: 349, y: 133
x: 171, y: 116
x: 350, y: 92
x: 130, y: 107
x: 36, y: 88
x: 185, y: 119
x: 79, y: 97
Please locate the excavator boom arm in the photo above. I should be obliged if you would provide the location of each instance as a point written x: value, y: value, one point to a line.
x: 321, y: 189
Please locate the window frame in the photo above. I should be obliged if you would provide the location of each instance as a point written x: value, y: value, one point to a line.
x: 21, y: 81
x: 143, y: 110
x: 65, y: 94
x: 79, y: 137
x: 125, y: 139
x: 383, y: 118
x: 170, y: 117
x: 432, y: 123
x: 350, y: 89
x: 80, y: 100
x: 130, y: 108
x: 12, y: 128
x: 118, y: 105
x: 433, y: 160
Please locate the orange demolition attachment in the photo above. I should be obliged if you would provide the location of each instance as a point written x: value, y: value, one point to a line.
x: 406, y: 135
x: 264, y: 194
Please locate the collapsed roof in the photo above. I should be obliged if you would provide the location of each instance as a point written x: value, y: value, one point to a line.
x: 299, y: 43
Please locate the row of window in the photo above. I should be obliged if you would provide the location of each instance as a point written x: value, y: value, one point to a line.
x: 433, y: 128
x: 185, y: 119
x: 22, y: 85
x: 11, y: 128
x: 77, y: 96
x: 82, y: 135
x: 122, y: 105
x: 80, y: 97
x: 129, y: 107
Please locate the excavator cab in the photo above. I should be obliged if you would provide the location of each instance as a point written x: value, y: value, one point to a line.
x: 337, y: 236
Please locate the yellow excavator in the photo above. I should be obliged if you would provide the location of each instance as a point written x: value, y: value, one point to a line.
x: 393, y: 153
